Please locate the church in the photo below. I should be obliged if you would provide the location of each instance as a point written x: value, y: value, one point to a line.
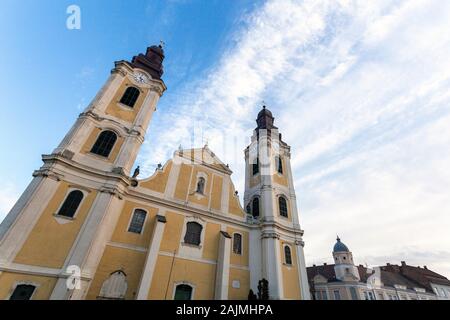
x: 87, y: 227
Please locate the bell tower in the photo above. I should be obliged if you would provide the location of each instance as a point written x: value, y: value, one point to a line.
x: 270, y: 203
x: 344, y: 267
x: 108, y: 134
x: 78, y: 193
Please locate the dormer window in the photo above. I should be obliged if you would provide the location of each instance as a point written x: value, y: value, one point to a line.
x: 201, y: 185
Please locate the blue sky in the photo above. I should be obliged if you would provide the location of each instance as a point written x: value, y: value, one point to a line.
x: 359, y: 89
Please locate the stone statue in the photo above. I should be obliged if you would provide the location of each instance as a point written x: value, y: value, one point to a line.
x: 136, y: 172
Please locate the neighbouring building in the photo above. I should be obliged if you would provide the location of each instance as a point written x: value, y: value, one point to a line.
x: 343, y: 280
x: 87, y: 228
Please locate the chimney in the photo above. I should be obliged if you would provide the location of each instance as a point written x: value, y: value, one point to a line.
x: 324, y: 263
x: 388, y: 264
x: 403, y: 263
x: 314, y: 265
x: 425, y: 267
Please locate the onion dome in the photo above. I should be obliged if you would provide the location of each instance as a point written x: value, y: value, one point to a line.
x: 339, y: 246
x: 265, y: 119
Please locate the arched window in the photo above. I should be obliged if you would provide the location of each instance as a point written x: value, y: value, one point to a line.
x: 255, y: 207
x: 183, y: 292
x: 237, y: 243
x: 115, y: 287
x: 193, y: 233
x: 137, y: 221
x: 23, y: 292
x: 104, y: 144
x: 201, y: 185
x: 130, y: 97
x: 279, y: 164
x: 255, y: 167
x: 71, y: 204
x: 282, y: 205
x: 287, y: 255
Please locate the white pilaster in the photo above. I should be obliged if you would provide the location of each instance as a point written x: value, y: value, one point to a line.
x: 302, y: 275
x: 169, y: 193
x: 148, y: 107
x: 24, y: 216
x: 225, y: 203
x: 128, y: 153
x: 223, y: 267
x: 272, y: 266
x: 76, y: 138
x: 255, y: 258
x: 106, y: 94
x: 152, y: 255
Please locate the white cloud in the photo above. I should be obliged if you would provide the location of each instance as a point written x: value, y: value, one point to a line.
x: 361, y: 91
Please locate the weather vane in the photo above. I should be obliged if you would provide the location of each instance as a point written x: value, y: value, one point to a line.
x: 162, y: 44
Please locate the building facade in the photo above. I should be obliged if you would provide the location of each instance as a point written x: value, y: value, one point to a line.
x: 343, y: 280
x: 87, y: 228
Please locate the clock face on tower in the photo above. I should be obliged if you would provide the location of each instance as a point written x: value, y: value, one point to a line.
x: 139, y: 77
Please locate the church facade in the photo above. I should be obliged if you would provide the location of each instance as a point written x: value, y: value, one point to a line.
x: 87, y: 228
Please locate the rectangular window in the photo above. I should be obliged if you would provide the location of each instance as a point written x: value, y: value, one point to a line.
x: 255, y: 167
x: 353, y: 293
x: 137, y: 222
x: 337, y: 295
x: 23, y: 292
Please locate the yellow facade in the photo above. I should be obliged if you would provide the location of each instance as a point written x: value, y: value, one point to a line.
x: 122, y: 112
x: 290, y: 274
x: 44, y: 284
x: 49, y: 243
x: 86, y: 149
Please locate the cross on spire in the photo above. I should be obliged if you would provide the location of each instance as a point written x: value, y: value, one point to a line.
x: 162, y: 44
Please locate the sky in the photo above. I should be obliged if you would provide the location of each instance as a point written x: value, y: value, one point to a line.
x: 359, y: 89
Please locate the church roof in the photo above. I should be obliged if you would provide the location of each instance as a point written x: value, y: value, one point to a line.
x: 391, y: 275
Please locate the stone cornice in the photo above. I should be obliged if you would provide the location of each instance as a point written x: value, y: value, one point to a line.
x: 47, y: 173
x: 97, y: 117
x: 56, y: 158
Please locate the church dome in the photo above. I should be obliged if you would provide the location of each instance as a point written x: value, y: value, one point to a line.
x: 265, y: 113
x: 265, y: 119
x: 340, y: 247
x: 151, y: 61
